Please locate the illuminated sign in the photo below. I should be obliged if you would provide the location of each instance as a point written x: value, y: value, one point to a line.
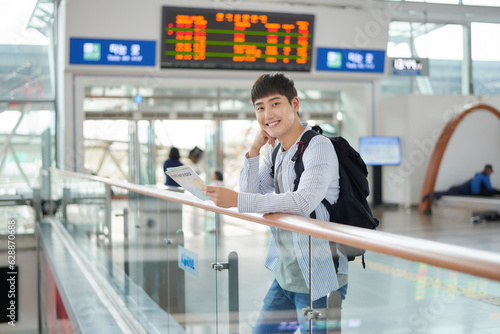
x: 409, y: 66
x: 212, y: 39
x: 348, y: 60
x: 111, y: 52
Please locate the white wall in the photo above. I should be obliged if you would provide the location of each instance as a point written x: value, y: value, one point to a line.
x: 392, y: 119
x: 419, y: 121
x: 357, y: 112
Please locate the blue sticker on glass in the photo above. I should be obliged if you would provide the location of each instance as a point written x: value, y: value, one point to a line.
x: 187, y: 260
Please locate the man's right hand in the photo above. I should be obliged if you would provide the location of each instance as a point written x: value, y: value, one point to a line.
x: 261, y: 139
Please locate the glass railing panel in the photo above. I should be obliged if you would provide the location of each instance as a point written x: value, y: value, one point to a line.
x: 27, y: 141
x: 195, y: 258
x: 394, y: 295
x: 84, y: 209
x: 118, y: 217
x: 181, y: 259
x: 251, y: 243
x: 389, y: 295
x: 27, y: 144
x: 145, y: 255
x: 123, y: 238
x: 248, y: 243
x: 150, y: 251
x: 144, y: 242
x: 82, y: 204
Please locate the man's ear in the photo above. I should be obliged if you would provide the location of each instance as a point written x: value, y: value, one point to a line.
x: 295, y: 104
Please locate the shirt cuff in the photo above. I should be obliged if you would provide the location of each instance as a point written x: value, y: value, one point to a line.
x: 253, y: 159
x: 245, y: 202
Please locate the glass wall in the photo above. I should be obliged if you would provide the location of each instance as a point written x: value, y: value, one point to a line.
x: 27, y: 108
x: 26, y: 51
x: 442, y: 44
x: 485, y: 58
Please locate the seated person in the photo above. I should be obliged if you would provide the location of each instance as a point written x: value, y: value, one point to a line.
x: 479, y: 185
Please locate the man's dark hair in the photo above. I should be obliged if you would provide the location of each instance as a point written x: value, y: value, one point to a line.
x: 174, y: 154
x: 273, y: 83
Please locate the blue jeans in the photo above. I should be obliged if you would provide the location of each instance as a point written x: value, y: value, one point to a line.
x: 282, y: 311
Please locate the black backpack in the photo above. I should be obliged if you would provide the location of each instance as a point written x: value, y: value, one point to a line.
x: 352, y: 207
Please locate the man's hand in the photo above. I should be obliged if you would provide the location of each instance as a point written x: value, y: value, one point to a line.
x: 261, y: 139
x: 223, y: 197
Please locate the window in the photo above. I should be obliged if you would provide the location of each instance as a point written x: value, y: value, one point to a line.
x: 485, y: 58
x: 441, y: 43
x: 493, y: 3
x: 27, y: 110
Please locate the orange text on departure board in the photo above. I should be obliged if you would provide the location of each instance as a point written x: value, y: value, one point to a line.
x: 276, y: 42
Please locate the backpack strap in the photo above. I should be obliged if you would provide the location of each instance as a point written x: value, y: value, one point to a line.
x: 297, y: 157
x: 273, y: 159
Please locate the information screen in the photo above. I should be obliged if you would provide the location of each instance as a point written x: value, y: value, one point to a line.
x: 380, y: 151
x: 208, y: 38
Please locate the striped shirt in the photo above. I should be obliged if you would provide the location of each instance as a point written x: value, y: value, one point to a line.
x: 319, y: 180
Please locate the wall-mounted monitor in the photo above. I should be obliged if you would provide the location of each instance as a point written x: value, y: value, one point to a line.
x: 203, y: 38
x: 380, y: 150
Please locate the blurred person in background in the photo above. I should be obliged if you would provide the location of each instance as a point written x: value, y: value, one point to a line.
x: 172, y: 161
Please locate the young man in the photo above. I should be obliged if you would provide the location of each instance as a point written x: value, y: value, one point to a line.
x: 276, y: 107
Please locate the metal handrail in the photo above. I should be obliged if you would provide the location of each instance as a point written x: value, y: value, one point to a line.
x: 467, y: 260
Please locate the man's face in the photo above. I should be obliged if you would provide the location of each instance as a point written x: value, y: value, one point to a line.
x: 488, y: 171
x: 275, y: 114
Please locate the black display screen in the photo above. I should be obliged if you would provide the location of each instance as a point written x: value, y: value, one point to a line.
x: 209, y: 38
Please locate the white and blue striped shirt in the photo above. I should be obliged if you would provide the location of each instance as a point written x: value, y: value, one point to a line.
x: 319, y: 180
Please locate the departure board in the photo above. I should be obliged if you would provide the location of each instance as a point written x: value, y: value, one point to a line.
x: 205, y: 38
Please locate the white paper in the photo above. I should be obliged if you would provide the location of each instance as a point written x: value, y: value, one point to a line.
x: 187, y: 178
